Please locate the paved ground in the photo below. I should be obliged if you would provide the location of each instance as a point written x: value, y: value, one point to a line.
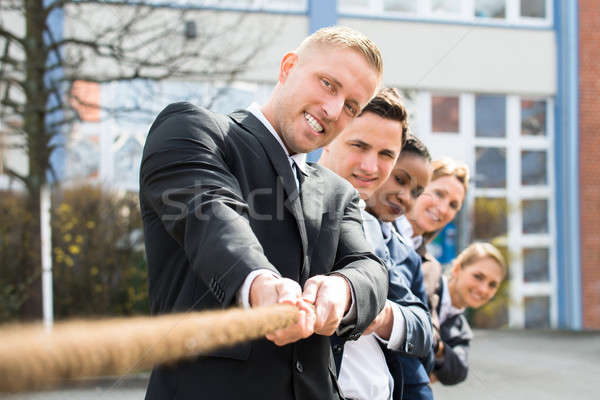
x: 511, y: 365
x: 530, y: 366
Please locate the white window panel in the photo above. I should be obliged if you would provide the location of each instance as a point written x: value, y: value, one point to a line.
x: 534, y: 192
x: 286, y: 5
x: 536, y: 289
x: 401, y: 7
x: 490, y: 142
x: 536, y: 241
x: 359, y: 6
x: 489, y: 192
x: 534, y: 143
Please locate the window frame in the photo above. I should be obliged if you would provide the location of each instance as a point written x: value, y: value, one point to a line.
x: 375, y: 8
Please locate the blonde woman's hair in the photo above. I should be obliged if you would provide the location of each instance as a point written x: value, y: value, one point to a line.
x: 344, y: 37
x: 447, y: 166
x: 480, y: 250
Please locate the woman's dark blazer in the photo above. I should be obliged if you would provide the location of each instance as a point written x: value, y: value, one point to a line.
x: 455, y: 332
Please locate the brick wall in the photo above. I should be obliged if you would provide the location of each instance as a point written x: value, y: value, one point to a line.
x: 589, y: 162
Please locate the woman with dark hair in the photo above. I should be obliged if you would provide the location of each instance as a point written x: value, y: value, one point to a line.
x: 433, y: 210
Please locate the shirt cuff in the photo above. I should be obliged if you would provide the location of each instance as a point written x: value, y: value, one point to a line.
x: 398, y: 335
x: 243, y: 294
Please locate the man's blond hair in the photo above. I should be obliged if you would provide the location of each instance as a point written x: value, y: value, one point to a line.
x: 344, y: 37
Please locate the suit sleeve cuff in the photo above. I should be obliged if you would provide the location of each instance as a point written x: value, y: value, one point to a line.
x: 243, y: 294
x: 348, y: 321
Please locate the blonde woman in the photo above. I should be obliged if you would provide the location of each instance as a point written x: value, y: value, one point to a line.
x: 473, y: 280
x: 433, y: 210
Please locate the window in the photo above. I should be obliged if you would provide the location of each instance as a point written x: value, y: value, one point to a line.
x: 490, y: 8
x: 536, y: 265
x: 533, y: 118
x: 444, y: 114
x: 537, y: 312
x: 533, y: 168
x: 354, y: 3
x: 294, y: 5
x: 446, y: 6
x: 494, y: 12
x: 409, y: 6
x: 490, y: 218
x: 83, y: 154
x: 490, y: 167
x: 535, y: 216
x: 507, y: 141
x: 533, y: 8
x: 490, y: 116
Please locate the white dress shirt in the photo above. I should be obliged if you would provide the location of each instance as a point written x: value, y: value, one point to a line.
x: 364, y: 374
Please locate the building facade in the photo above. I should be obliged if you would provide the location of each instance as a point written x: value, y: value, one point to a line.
x: 508, y: 86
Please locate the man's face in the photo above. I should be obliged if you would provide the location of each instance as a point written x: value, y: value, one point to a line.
x: 319, y: 92
x: 365, y: 152
x: 397, y: 195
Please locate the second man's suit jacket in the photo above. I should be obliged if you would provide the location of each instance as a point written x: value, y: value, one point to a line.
x: 219, y: 200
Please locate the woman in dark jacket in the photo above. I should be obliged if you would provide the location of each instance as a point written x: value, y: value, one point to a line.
x: 433, y: 210
x: 436, y: 207
x: 472, y: 281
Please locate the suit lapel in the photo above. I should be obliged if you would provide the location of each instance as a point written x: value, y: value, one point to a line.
x: 281, y: 164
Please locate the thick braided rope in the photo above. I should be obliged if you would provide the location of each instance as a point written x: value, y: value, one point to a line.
x: 31, y: 358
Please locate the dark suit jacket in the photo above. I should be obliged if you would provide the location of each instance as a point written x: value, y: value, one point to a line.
x: 219, y: 200
x: 455, y: 332
x: 406, y: 271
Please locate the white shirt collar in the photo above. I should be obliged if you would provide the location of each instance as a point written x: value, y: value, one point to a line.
x: 405, y: 228
x: 362, y: 205
x: 447, y: 310
x: 299, y: 159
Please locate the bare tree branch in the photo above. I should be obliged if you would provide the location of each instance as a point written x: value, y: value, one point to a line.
x: 14, y: 174
x: 11, y: 36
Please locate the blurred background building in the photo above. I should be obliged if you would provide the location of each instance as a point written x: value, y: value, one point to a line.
x: 509, y: 86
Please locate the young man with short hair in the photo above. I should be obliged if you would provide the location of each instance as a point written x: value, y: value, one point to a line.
x: 365, y: 154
